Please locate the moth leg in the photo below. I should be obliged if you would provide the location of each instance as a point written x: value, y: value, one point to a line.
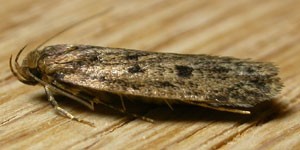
x: 122, y: 102
x: 61, y: 110
x: 169, y: 105
x: 125, y: 112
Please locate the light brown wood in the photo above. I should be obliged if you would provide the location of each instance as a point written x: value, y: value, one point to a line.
x: 262, y: 30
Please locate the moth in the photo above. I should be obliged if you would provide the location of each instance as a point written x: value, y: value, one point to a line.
x: 86, y: 73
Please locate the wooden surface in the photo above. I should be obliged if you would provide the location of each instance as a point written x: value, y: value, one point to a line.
x: 262, y: 30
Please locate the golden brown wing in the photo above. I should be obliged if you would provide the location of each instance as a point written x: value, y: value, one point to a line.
x: 218, y: 81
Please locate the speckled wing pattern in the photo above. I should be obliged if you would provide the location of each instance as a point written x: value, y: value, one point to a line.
x: 217, y: 81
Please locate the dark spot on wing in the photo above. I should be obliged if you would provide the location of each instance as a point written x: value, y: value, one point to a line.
x: 94, y: 58
x: 132, y: 57
x: 165, y: 84
x: 250, y: 70
x: 261, y: 84
x: 135, y: 69
x: 136, y: 55
x: 184, y: 71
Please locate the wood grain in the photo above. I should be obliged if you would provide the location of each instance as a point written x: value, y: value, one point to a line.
x: 262, y: 30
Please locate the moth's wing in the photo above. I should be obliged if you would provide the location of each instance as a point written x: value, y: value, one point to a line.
x: 217, y: 81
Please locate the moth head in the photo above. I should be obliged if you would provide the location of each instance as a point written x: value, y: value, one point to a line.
x: 27, y: 72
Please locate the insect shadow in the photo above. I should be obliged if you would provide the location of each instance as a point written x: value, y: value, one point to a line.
x: 265, y: 112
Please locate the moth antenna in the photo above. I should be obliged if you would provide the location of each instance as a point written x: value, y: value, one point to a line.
x: 17, y: 66
x: 18, y: 55
x: 16, y: 72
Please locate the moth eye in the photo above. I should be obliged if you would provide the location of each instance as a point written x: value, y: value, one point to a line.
x: 35, y: 72
x: 184, y: 71
x: 135, y: 69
